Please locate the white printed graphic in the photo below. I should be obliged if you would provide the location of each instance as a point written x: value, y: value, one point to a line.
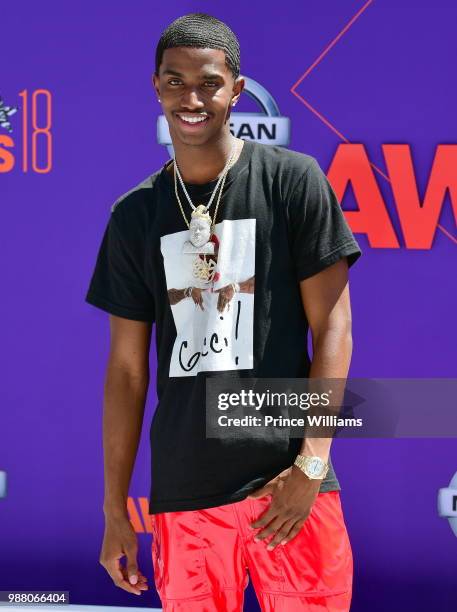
x: 214, y: 320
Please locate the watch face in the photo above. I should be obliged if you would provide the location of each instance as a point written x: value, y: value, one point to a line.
x: 315, y: 466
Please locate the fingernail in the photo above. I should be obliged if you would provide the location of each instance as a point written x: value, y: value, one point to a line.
x: 270, y: 547
x: 133, y: 579
x: 256, y: 539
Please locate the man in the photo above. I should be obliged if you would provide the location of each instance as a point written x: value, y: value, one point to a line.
x: 270, y: 255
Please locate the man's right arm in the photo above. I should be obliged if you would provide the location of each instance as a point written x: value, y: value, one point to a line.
x: 125, y: 392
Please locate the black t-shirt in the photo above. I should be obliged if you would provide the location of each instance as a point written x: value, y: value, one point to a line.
x: 278, y: 222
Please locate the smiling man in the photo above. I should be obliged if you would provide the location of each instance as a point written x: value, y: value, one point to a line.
x: 235, y: 249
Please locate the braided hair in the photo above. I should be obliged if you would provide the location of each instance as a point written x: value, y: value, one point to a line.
x: 203, y: 31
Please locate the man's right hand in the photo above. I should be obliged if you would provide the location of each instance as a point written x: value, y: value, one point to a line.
x: 120, y: 540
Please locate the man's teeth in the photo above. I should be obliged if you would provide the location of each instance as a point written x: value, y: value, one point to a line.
x: 193, y: 119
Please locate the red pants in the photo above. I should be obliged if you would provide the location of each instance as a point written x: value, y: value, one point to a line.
x: 201, y: 558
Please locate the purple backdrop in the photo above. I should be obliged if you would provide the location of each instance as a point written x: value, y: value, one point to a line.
x: 386, y: 76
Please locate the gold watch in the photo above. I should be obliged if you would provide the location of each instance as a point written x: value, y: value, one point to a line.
x: 313, y: 467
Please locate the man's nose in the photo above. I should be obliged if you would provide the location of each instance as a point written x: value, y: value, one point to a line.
x: 191, y: 100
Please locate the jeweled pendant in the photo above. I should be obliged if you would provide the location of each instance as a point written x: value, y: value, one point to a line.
x: 199, y: 232
x: 203, y: 269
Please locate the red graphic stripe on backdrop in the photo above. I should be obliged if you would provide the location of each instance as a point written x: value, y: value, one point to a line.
x: 326, y: 121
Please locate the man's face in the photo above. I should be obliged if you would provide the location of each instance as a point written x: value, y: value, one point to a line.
x: 195, y: 84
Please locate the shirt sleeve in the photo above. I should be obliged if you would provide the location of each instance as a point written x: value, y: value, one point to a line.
x: 117, y: 284
x: 319, y: 232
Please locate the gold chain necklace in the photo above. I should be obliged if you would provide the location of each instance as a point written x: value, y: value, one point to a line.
x: 198, y: 209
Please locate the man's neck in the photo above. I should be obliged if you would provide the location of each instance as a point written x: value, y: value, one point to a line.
x: 200, y: 165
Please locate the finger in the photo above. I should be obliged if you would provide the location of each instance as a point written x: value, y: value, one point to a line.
x: 132, y: 565
x: 269, y: 530
x: 142, y: 580
x: 281, y: 534
x: 265, y: 490
x: 265, y: 518
x: 114, y: 570
x: 141, y: 576
x: 295, y: 530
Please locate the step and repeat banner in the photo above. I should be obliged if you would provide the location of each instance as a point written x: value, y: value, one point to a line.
x: 368, y: 89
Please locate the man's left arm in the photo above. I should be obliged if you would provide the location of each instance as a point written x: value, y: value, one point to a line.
x: 326, y: 302
x: 327, y: 305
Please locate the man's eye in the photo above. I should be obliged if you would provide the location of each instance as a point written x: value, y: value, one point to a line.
x: 171, y: 81
x: 212, y: 83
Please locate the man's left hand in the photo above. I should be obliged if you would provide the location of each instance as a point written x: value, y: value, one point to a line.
x: 293, y: 495
x: 225, y: 295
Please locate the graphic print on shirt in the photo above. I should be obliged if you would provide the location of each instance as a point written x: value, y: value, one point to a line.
x: 214, y: 324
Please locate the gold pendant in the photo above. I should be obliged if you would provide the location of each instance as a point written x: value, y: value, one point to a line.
x: 203, y: 270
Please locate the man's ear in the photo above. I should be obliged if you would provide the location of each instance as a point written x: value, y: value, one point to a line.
x: 238, y: 87
x: 155, y: 84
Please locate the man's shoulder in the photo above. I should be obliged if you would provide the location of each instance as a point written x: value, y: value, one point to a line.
x: 138, y: 196
x: 284, y: 160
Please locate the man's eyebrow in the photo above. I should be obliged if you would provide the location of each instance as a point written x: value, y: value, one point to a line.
x: 172, y: 72
x: 208, y: 75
